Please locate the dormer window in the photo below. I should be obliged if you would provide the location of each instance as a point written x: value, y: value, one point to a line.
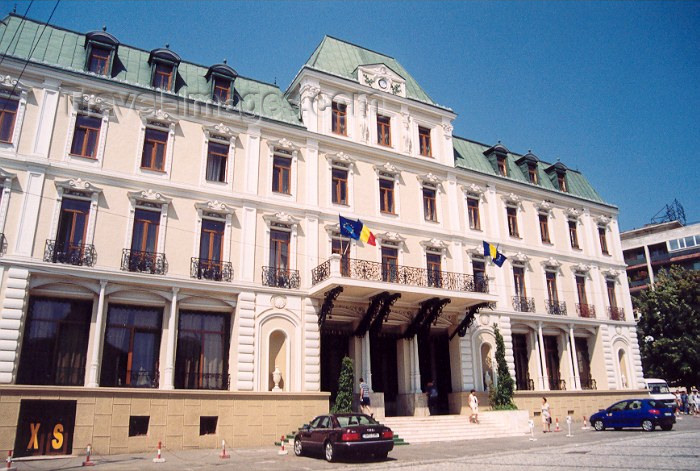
x: 99, y: 61
x: 502, y: 167
x: 221, y: 77
x: 424, y: 141
x: 8, y: 113
x: 528, y: 164
x: 339, y: 119
x: 497, y: 156
x: 164, y: 63
x: 558, y: 172
x: 561, y: 180
x: 383, y: 130
x: 532, y: 174
x: 222, y: 90
x: 163, y: 76
x: 101, y: 48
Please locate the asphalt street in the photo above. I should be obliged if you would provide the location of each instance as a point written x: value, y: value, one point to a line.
x: 589, y: 450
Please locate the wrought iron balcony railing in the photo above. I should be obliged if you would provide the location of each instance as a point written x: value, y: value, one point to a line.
x: 144, y: 262
x: 281, y: 277
x: 523, y: 304
x: 616, y: 313
x: 557, y: 385
x: 588, y: 384
x: 585, y: 310
x: 72, y: 254
x: 196, y: 380
x: 413, y: 276
x: 525, y: 384
x: 138, y: 379
x: 214, y: 270
x: 558, y: 308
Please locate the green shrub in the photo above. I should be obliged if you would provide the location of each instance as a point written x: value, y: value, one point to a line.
x: 343, y: 401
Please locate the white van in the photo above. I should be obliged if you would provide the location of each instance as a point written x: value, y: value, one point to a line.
x: 659, y: 390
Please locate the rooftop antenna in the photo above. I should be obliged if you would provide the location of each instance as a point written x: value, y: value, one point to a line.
x: 14, y: 9
x: 275, y: 81
x: 225, y: 61
x: 670, y: 212
x: 167, y: 45
x: 104, y: 27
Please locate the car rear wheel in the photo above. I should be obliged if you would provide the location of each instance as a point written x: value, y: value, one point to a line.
x: 330, y: 452
x: 666, y: 428
x: 598, y: 425
x: 298, y: 448
x: 647, y: 425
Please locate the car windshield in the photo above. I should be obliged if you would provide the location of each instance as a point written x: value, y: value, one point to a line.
x: 349, y: 420
x: 659, y: 388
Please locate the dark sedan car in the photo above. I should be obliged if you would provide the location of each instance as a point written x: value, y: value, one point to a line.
x: 645, y: 413
x: 344, y: 434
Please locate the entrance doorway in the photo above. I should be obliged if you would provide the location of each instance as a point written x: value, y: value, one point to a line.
x: 385, y: 377
x: 434, y: 362
x: 334, y: 346
x: 520, y: 355
x: 551, y: 352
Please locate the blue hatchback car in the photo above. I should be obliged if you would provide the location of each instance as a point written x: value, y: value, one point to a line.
x: 645, y: 413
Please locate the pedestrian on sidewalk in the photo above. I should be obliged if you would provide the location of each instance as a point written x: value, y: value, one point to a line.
x: 474, y: 404
x: 546, y: 416
x: 365, y: 406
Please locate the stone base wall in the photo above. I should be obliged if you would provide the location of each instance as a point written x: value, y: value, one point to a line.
x: 102, y: 416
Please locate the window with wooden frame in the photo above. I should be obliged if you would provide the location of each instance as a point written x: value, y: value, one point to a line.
x: 512, y: 214
x: 282, y: 172
x: 561, y: 180
x: 424, y: 143
x: 581, y: 288
x: 610, y: 288
x: 479, y: 272
x: 279, y: 249
x: 211, y: 241
x: 341, y: 246
x: 72, y: 224
x: 131, y: 346
x: 163, y: 76
x: 202, y: 351
x: 384, y: 130
x: 221, y: 90
x: 390, y: 263
x: 144, y: 236
x: 434, y: 265
x: 573, y: 234
x: 155, y: 145
x: 99, y: 61
x: 339, y: 123
x: 8, y: 115
x: 532, y: 174
x: 603, y: 241
x: 519, y: 281
x: 339, y: 185
x: 473, y: 211
x: 386, y: 195
x: 544, y: 228
x: 502, y: 166
x: 551, y: 278
x: 429, y: 204
x: 86, y: 136
x: 217, y: 160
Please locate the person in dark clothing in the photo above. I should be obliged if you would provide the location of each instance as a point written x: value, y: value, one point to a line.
x: 432, y: 394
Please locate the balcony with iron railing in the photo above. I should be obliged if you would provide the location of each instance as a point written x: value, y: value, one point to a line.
x: 523, y: 304
x: 71, y: 254
x: 585, y: 310
x: 525, y: 384
x: 281, y: 277
x: 588, y: 384
x: 557, y: 308
x: 616, y: 313
x: 196, y: 380
x: 144, y: 262
x: 213, y: 270
x: 3, y: 244
x: 137, y: 379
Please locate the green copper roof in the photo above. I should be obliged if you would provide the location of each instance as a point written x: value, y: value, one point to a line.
x: 469, y: 155
x: 65, y: 49
x: 341, y: 58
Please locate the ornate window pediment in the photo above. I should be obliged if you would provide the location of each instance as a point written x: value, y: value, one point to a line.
x: 391, y: 237
x: 520, y: 259
x: 149, y: 197
x: 429, y: 179
x: 94, y: 104
x: 551, y: 263
x: 610, y: 273
x: 340, y: 158
x: 281, y: 218
x: 573, y: 213
x: 544, y: 206
x: 434, y: 244
x: 387, y: 169
x: 219, y: 130
x: 381, y: 77
x: 8, y: 84
x: 603, y: 220
x: 77, y: 185
x: 159, y: 116
x: 580, y: 268
x: 284, y: 144
x: 512, y: 199
x: 6, y: 176
x: 215, y: 207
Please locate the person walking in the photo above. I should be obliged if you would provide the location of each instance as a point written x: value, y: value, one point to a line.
x: 691, y: 401
x: 432, y: 394
x: 474, y: 404
x: 546, y: 416
x: 684, y: 402
x: 365, y: 406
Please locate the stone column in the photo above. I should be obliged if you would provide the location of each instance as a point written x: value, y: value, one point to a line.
x: 366, y: 362
x: 97, y: 338
x: 169, y: 372
x: 574, y: 358
x: 415, y: 364
x: 544, y: 382
x: 312, y: 348
x: 245, y: 375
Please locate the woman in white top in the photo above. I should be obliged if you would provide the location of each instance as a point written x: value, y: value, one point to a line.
x: 474, y: 404
x: 546, y: 416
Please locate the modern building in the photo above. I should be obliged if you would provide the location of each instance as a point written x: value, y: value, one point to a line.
x: 658, y: 246
x: 173, y: 265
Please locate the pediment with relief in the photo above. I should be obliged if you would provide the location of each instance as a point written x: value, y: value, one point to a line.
x: 381, y: 77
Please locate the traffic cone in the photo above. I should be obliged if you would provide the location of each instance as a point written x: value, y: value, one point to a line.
x: 223, y: 454
x: 556, y: 427
x: 159, y: 458
x: 282, y: 450
x: 9, y: 462
x: 88, y: 452
x: 585, y: 424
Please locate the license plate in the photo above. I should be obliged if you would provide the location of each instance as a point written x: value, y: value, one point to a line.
x: 370, y: 435
x: 667, y: 414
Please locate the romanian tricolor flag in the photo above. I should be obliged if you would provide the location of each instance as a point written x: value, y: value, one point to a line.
x: 491, y: 251
x: 356, y: 230
x: 366, y: 235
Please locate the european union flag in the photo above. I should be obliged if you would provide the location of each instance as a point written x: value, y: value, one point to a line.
x: 350, y: 228
x: 493, y: 253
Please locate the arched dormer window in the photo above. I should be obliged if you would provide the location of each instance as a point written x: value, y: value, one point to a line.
x: 528, y: 165
x: 557, y: 173
x: 498, y: 157
x: 100, y: 50
x: 221, y: 78
x: 164, y: 64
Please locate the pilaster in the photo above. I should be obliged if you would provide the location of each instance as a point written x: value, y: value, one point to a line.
x: 26, y: 229
x: 246, y: 341
x: 312, y: 348
x: 11, y: 322
x: 47, y: 116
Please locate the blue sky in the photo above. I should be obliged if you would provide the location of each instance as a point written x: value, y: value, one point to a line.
x: 610, y: 88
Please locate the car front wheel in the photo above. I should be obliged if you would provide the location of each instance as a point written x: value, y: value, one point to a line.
x: 330, y: 452
x: 647, y: 425
x: 298, y: 448
x: 666, y: 428
x: 598, y: 425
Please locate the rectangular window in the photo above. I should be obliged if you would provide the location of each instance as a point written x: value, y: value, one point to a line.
x: 520, y: 357
x: 138, y: 425
x: 155, y: 144
x: 610, y: 287
x: 217, y: 160
x: 72, y: 224
x: 502, y: 167
x: 131, y: 347
x: 54, y: 345
x: 211, y: 242
x: 279, y: 249
x: 8, y: 114
x: 99, y: 60
x: 386, y: 195
x: 519, y: 281
x: 163, y: 76
x: 544, y: 228
x: 424, y: 141
x: 479, y: 270
x: 207, y: 425
x: 512, y: 221
x: 85, y: 136
x: 603, y: 241
x: 282, y: 173
x: 573, y: 235
x: 339, y: 188
x: 144, y: 237
x: 341, y: 246
x: 561, y: 179
x: 552, y: 286
x: 339, y: 119
x: 390, y: 263
x: 532, y: 174
x: 222, y: 90
x: 383, y: 130
x: 429, y: 207
x: 202, y: 351
x: 434, y: 262
x: 581, y: 288
x: 473, y: 210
